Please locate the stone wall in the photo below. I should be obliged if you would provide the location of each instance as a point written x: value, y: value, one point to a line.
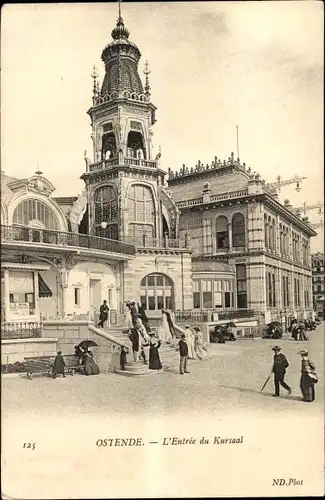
x: 71, y: 333
x: 18, y: 349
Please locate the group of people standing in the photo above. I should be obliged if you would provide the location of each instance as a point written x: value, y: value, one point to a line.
x: 141, y: 336
x: 308, y: 377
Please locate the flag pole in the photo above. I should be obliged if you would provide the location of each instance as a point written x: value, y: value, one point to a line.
x: 237, y: 141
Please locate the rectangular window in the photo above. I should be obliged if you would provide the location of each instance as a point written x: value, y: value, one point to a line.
x: 227, y: 300
x: 207, y: 300
x: 143, y: 300
x: 168, y: 303
x: 217, y: 299
x: 160, y: 302
x: 77, y: 297
x: 197, y: 300
x: 241, y: 286
x: 151, y: 303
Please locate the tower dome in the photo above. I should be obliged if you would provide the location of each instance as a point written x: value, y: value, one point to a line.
x: 121, y: 58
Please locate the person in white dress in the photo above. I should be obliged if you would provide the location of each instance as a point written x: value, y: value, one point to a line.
x: 198, y: 343
x: 127, y: 320
x: 189, y: 338
x: 164, y: 331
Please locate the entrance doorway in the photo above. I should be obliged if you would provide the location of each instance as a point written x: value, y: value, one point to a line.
x: 95, y: 293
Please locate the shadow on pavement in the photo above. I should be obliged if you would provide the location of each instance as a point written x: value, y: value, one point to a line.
x: 254, y: 391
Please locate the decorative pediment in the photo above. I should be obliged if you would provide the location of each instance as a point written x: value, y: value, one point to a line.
x: 40, y: 184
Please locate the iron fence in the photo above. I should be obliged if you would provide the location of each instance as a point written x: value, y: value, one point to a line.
x: 12, y: 330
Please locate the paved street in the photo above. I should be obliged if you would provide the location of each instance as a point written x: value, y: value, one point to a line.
x: 229, y: 382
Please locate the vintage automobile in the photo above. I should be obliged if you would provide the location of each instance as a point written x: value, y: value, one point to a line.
x: 273, y: 330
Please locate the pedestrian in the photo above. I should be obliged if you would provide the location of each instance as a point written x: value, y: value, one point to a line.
x: 137, y: 345
x: 154, y: 358
x: 103, y: 314
x: 143, y: 317
x: 308, y: 377
x: 183, y: 352
x: 190, y: 342
x: 164, y: 330
x: 58, y: 365
x: 123, y: 353
x: 198, y: 343
x: 134, y: 312
x: 127, y: 320
x: 280, y: 364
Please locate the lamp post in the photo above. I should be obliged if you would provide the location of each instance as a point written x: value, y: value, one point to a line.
x: 103, y: 225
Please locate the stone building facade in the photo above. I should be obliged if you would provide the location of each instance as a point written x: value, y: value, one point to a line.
x: 236, y: 223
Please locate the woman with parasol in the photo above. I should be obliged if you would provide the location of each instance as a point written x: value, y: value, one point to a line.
x: 90, y: 367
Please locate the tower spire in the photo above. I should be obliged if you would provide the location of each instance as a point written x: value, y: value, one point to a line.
x: 119, y: 9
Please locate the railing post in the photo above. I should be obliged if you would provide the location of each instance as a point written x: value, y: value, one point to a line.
x: 144, y: 240
x: 166, y: 240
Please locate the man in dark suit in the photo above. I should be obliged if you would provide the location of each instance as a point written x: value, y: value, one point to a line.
x: 280, y: 364
x: 183, y: 352
x: 103, y: 314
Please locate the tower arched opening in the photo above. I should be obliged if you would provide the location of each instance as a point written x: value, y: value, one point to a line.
x: 108, y: 145
x: 135, y: 145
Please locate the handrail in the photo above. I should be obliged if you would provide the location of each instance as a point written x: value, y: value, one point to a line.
x: 51, y: 237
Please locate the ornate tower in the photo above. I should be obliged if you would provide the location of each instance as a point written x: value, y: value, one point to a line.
x: 123, y: 181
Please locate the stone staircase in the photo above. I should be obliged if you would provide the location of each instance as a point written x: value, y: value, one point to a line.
x: 169, y: 356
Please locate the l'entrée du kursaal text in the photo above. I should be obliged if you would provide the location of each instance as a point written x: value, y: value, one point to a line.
x: 168, y: 441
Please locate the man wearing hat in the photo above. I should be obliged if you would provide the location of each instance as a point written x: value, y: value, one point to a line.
x: 280, y: 364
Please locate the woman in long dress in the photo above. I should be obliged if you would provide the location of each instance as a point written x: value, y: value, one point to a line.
x: 189, y: 338
x: 127, y: 321
x: 91, y: 368
x: 154, y: 358
x: 308, y: 377
x: 198, y: 343
x: 164, y: 331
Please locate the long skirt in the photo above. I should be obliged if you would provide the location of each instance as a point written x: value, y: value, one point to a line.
x: 154, y: 359
x: 198, y: 347
x: 91, y: 368
x: 307, y: 388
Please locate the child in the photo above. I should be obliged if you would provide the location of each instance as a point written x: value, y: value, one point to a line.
x: 124, y: 352
x: 58, y: 366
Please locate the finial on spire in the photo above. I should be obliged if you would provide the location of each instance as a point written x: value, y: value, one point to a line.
x: 147, y: 72
x: 94, y: 76
x: 119, y: 9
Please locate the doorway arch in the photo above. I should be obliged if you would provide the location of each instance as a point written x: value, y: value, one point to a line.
x: 157, y: 292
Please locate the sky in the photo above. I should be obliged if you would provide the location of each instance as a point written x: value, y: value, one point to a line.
x: 214, y: 66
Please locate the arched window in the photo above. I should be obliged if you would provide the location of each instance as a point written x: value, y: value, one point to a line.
x: 156, y: 292
x: 222, y: 232
x: 141, y: 212
x: 35, y: 213
x: 106, y: 211
x: 238, y: 230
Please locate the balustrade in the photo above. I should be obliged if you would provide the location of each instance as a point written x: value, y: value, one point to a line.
x: 18, y: 330
x: 47, y: 236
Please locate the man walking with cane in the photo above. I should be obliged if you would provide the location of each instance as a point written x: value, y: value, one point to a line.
x: 280, y: 364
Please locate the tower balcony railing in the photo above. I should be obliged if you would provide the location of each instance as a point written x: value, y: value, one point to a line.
x: 130, y: 162
x: 10, y: 234
x: 161, y: 243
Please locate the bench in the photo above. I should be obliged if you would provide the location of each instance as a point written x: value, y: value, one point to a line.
x: 42, y: 365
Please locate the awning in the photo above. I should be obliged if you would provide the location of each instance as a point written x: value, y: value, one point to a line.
x: 43, y: 289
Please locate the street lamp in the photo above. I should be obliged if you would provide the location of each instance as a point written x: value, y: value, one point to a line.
x: 103, y: 225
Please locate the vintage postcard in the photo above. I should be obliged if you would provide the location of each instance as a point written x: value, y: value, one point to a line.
x: 162, y: 258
